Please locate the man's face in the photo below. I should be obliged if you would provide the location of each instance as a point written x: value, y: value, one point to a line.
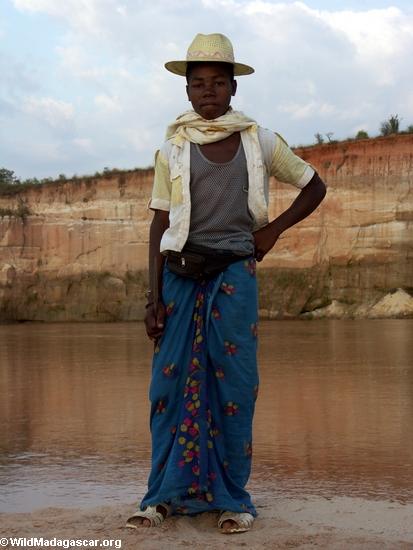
x: 210, y: 89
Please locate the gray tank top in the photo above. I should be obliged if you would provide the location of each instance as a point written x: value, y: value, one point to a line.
x: 220, y: 217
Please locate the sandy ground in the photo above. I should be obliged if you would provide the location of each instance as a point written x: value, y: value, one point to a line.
x: 313, y: 522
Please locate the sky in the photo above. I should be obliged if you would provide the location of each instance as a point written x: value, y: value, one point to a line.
x: 83, y: 85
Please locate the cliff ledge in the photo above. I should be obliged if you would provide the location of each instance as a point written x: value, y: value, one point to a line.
x: 77, y: 250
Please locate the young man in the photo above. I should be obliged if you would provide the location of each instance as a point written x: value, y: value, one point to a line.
x: 210, y: 223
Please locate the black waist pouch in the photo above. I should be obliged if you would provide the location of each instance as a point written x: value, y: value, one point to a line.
x: 199, y: 263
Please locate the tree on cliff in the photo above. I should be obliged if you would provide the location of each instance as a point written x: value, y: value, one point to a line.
x: 362, y: 134
x: 7, y: 177
x: 390, y: 126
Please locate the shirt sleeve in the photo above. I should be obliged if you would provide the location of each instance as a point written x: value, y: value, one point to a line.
x: 161, y: 191
x: 287, y: 167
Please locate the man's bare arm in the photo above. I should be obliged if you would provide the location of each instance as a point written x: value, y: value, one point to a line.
x: 155, y: 310
x: 306, y: 202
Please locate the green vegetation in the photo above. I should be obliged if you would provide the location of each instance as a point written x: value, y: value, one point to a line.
x: 387, y: 128
x: 329, y: 136
x: 7, y: 177
x: 319, y: 138
x: 362, y: 134
x: 22, y: 211
x: 390, y: 126
x: 6, y: 212
x: 11, y: 185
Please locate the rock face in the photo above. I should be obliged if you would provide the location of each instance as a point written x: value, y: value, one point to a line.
x: 358, y: 246
x: 80, y: 254
x: 77, y: 250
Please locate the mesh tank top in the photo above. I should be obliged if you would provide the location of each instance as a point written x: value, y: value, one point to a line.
x: 220, y: 217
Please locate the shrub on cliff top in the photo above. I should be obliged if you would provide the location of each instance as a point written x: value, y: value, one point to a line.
x: 7, y: 177
x: 390, y: 126
x: 362, y: 134
x: 9, y: 184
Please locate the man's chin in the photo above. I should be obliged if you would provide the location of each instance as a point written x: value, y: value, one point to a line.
x: 209, y: 112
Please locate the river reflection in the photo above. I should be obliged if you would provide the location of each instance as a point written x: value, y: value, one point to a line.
x: 334, y: 414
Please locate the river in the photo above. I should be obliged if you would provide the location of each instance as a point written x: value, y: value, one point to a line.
x: 334, y: 414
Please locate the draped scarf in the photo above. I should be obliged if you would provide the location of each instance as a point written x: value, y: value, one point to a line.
x: 192, y: 127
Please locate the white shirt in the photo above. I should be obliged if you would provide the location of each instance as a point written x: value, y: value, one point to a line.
x: 267, y: 155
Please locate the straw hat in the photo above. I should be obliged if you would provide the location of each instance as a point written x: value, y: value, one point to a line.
x: 209, y: 47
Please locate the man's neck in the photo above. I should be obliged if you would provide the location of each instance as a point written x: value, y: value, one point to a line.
x: 223, y: 150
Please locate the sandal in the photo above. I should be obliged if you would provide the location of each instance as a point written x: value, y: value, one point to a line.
x: 242, y: 520
x: 150, y: 513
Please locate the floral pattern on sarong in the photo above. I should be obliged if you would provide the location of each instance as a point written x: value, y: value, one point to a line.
x: 203, y: 360
x: 251, y: 266
x: 169, y: 370
x: 170, y: 308
x: 228, y: 288
x: 215, y: 313
x: 230, y: 348
x: 231, y: 408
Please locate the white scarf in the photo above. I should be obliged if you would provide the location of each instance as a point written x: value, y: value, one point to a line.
x: 192, y: 127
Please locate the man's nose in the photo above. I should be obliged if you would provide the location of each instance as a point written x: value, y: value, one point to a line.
x: 209, y: 88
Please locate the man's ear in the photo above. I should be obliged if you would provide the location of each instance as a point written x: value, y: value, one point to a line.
x: 234, y: 87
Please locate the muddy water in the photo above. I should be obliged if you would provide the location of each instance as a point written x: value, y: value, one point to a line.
x: 334, y: 414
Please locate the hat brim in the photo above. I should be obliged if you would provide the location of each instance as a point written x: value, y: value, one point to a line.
x: 179, y: 67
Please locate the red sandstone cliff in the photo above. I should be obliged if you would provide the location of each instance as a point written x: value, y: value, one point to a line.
x: 80, y: 254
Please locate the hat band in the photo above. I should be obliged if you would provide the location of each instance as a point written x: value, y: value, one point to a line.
x: 208, y: 56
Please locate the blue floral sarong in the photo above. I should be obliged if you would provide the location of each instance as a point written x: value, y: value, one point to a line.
x: 203, y: 391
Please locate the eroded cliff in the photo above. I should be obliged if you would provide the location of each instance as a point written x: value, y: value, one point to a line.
x: 77, y: 250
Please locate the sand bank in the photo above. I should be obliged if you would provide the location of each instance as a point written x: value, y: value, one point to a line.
x: 311, y: 522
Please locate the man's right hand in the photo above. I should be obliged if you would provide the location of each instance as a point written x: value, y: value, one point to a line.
x: 155, y: 320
